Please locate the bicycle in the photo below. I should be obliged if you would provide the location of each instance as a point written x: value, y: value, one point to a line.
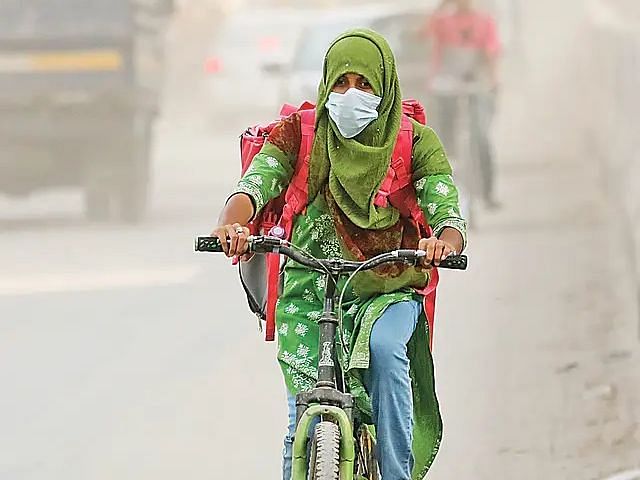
x: 336, y: 452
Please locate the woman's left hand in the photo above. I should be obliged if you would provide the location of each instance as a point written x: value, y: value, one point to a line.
x: 436, y: 249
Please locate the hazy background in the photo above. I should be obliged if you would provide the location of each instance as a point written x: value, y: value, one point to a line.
x: 125, y: 355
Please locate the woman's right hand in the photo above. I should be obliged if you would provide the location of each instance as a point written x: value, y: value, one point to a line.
x: 233, y: 238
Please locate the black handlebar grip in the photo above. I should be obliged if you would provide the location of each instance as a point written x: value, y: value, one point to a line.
x: 208, y: 244
x: 454, y: 262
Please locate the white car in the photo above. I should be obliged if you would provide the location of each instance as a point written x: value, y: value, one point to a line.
x: 403, y: 27
x: 236, y: 68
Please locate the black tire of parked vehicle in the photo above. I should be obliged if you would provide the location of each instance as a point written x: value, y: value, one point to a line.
x: 133, y: 189
x: 97, y: 205
x: 97, y: 194
x: 118, y: 178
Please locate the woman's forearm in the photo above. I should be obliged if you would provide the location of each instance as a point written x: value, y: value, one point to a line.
x: 239, y: 209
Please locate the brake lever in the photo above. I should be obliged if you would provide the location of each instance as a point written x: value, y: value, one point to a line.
x: 264, y: 244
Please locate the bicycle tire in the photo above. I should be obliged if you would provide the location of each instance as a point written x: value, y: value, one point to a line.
x: 325, y: 452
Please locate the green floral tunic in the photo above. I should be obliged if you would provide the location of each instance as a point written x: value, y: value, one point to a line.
x: 300, y: 305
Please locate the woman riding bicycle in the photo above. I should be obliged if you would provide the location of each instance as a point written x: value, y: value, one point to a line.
x: 389, y: 368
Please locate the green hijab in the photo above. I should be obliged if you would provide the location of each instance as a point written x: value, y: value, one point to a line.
x: 355, y: 168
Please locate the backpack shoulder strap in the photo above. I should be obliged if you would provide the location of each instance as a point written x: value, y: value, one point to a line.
x: 297, y: 194
x: 307, y: 127
x: 402, y: 194
x: 403, y: 154
x: 296, y: 198
x: 399, y: 173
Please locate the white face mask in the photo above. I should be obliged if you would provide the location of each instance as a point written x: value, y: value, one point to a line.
x: 353, y: 110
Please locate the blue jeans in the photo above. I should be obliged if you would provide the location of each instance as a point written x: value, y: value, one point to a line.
x: 389, y: 385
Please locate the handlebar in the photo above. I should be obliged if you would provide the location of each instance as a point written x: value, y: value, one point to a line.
x: 267, y: 244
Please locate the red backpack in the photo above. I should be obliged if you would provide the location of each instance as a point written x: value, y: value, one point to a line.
x: 396, y: 189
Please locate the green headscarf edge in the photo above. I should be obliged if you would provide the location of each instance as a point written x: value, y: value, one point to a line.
x: 355, y: 168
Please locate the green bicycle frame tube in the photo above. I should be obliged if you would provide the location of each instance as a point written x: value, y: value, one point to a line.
x: 347, y: 443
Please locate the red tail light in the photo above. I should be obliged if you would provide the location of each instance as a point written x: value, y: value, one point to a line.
x: 269, y: 44
x: 213, y: 65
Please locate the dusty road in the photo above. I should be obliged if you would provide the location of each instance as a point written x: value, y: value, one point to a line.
x: 124, y: 355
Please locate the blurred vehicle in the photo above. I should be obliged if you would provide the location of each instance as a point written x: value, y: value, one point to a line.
x: 402, y: 27
x: 79, y: 91
x: 237, y: 67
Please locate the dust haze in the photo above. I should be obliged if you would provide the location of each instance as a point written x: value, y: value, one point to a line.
x: 123, y: 354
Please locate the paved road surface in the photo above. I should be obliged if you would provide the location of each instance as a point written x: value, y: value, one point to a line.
x: 124, y: 355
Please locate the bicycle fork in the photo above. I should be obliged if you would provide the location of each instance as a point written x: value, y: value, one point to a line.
x: 325, y: 400
x: 347, y: 442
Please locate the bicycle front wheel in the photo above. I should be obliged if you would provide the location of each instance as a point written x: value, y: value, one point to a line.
x: 325, y: 452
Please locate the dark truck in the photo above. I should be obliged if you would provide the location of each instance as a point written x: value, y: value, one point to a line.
x: 79, y: 92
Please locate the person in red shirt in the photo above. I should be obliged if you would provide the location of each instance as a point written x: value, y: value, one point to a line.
x: 464, y: 63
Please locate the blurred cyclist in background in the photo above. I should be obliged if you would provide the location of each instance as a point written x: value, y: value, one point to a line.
x: 464, y: 61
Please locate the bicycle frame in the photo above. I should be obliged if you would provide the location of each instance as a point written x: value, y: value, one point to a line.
x: 326, y: 399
